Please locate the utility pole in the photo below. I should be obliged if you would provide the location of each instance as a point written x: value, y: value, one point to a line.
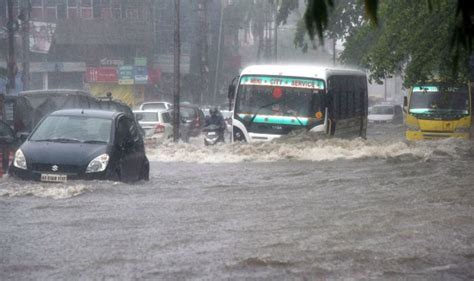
x: 177, y: 74
x: 219, y: 50
x: 11, y: 61
x: 25, y: 19
x: 204, y: 50
x: 275, y: 37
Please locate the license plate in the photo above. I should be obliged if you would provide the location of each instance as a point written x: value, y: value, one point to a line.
x: 212, y: 133
x: 53, y: 178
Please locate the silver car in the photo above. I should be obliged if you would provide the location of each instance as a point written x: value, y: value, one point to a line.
x: 156, y: 105
x: 157, y: 124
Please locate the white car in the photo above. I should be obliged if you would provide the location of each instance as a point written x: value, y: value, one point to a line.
x: 156, y: 105
x: 385, y: 114
x: 156, y: 124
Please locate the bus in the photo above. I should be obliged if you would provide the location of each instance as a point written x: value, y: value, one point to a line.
x: 437, y: 111
x: 270, y: 101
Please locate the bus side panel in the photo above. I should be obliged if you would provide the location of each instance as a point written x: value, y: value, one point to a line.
x: 349, y: 105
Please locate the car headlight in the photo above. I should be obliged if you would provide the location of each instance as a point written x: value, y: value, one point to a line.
x: 20, y: 160
x: 98, y: 164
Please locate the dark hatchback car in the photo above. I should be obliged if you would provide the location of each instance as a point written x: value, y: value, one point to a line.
x: 192, y: 119
x: 83, y: 144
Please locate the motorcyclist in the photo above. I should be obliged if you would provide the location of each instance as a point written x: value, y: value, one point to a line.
x: 215, y: 118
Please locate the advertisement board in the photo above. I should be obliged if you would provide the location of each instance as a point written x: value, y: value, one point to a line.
x: 126, y: 75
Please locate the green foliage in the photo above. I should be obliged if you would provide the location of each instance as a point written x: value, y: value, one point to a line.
x: 345, y: 18
x: 285, y: 7
x: 409, y: 39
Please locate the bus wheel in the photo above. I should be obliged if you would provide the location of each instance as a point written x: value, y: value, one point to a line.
x: 238, y: 135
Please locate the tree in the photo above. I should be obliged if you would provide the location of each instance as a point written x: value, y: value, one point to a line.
x: 346, y: 17
x: 258, y: 18
x: 413, y: 40
x: 317, y: 15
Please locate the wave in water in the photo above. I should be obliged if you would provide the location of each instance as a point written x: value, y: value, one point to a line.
x: 13, y: 188
x: 306, y: 148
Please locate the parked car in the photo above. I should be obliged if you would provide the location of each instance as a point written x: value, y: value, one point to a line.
x: 82, y: 144
x: 156, y: 124
x: 386, y: 114
x: 156, y: 105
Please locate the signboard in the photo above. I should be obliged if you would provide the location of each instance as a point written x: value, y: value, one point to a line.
x: 282, y: 82
x: 126, y: 75
x: 140, y: 61
x: 101, y: 75
x: 166, y: 63
x: 41, y: 35
x: 141, y: 75
x: 154, y: 76
x: 111, y: 62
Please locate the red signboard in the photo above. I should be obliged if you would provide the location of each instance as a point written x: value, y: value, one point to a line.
x: 154, y: 75
x: 102, y: 74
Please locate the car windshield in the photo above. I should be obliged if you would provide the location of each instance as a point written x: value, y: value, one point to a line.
x: 73, y: 129
x: 153, y: 106
x: 382, y: 110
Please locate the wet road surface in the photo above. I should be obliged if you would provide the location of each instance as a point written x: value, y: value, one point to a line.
x: 380, y: 209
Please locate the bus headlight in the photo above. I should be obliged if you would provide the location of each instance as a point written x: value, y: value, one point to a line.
x: 98, y: 164
x: 20, y: 160
x: 413, y: 126
x: 318, y: 129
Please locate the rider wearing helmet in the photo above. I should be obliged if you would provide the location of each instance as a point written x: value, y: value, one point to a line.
x: 215, y: 118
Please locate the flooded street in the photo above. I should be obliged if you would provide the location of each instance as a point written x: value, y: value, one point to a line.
x: 380, y: 209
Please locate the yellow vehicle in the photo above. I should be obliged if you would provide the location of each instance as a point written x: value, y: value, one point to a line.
x: 435, y: 111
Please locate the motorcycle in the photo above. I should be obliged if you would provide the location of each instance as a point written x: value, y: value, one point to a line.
x: 213, y: 134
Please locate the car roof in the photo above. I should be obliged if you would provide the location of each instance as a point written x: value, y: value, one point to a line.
x: 151, y: 111
x: 87, y: 112
x: 188, y: 105
x: 152, y: 102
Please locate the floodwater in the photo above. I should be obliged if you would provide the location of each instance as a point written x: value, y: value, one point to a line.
x: 300, y: 209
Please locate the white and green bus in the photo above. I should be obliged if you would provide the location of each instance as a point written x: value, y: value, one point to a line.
x: 270, y: 101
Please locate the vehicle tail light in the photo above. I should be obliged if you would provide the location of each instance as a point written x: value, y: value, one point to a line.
x: 198, y: 122
x: 159, y: 128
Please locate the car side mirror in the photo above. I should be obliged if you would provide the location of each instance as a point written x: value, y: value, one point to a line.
x: 23, y: 136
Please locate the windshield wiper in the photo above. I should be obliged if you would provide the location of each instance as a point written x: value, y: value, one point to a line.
x: 258, y: 110
x: 94, y: 141
x: 64, y: 140
x: 267, y: 105
x: 297, y: 119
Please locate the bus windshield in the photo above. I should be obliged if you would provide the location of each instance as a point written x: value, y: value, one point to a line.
x: 436, y: 100
x: 279, y: 96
